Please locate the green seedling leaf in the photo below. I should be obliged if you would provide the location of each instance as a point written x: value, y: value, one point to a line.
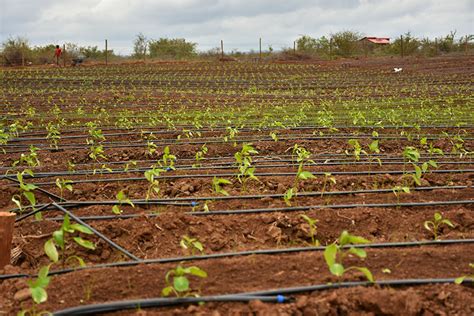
x: 337, y: 269
x: 51, y: 251
x: 81, y: 228
x: 330, y: 254
x: 197, y: 272
x: 38, y: 294
x: 304, y: 175
x: 181, y: 283
x: 167, y: 291
x: 84, y: 243
x: 367, y: 273
x: 358, y: 252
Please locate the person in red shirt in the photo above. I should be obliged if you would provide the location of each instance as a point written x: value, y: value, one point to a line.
x: 57, y: 54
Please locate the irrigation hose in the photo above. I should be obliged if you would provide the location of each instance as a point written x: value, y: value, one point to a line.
x: 268, y: 296
x: 248, y: 253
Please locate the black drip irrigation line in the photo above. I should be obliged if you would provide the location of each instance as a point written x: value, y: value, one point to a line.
x: 282, y: 209
x: 329, y: 206
x: 51, y: 195
x: 194, y: 201
x: 97, y: 233
x: 280, y: 295
x: 115, y: 145
x: 231, y: 165
x: 263, y: 174
x: 248, y: 253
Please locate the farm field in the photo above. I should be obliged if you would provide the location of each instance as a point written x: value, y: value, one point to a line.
x: 335, y: 188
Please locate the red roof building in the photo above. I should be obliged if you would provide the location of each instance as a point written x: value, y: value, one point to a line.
x: 376, y: 40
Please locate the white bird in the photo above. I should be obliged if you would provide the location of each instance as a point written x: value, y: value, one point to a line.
x: 397, y: 69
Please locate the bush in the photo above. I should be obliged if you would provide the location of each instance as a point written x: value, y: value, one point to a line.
x: 16, y: 51
x: 172, y: 48
x: 345, y: 43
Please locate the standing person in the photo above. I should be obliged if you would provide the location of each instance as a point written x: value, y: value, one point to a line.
x: 57, y: 53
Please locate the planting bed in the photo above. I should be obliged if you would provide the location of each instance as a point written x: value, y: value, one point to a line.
x: 242, y: 158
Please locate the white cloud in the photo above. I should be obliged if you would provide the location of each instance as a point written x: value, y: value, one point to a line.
x: 238, y: 22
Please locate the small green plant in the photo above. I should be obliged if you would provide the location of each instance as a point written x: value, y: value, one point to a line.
x: 191, y: 245
x: 289, y: 195
x: 217, y: 185
x: 53, y: 135
x: 26, y: 190
x: 96, y: 152
x: 356, y: 149
x: 63, y: 184
x: 122, y: 199
x: 301, y: 155
x: 61, y: 238
x: 38, y: 293
x: 243, y: 160
x: 180, y: 286
x: 168, y: 159
x: 312, y: 229
x: 327, y: 178
x: 153, y: 183
x: 461, y: 279
x: 30, y: 159
x: 434, y: 225
x: 151, y: 148
x: 398, y: 190
x: 200, y: 155
x: 335, y: 254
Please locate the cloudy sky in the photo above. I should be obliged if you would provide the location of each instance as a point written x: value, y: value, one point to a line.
x: 238, y: 22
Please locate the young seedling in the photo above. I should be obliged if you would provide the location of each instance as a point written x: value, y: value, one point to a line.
x: 312, y: 229
x: 434, y: 225
x: 327, y: 178
x: 168, y: 159
x: 151, y: 148
x: 398, y: 190
x: 180, y: 286
x: 302, y: 157
x: 335, y: 254
x: 122, y: 199
x: 191, y: 245
x: 63, y: 184
x: 217, y: 185
x: 461, y: 279
x: 38, y: 293
x: 153, y: 183
x: 243, y: 160
x: 356, y: 149
x: 200, y: 155
x: 53, y: 135
x: 30, y: 159
x: 27, y: 191
x: 289, y: 195
x: 61, y: 238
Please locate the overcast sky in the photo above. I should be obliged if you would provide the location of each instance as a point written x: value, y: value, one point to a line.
x: 238, y: 22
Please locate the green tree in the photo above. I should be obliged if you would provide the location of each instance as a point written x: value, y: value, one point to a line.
x: 172, y: 48
x: 345, y: 43
x: 15, y: 51
x: 139, y: 46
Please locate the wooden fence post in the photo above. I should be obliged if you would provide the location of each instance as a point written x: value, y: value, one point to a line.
x: 64, y: 55
x: 260, y: 48
x: 106, y: 52
x: 222, y: 49
x: 7, y: 222
x: 330, y: 49
x: 294, y: 47
x: 401, y: 45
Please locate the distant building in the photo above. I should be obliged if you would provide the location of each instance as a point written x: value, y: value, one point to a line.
x: 370, y: 43
x: 376, y: 40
